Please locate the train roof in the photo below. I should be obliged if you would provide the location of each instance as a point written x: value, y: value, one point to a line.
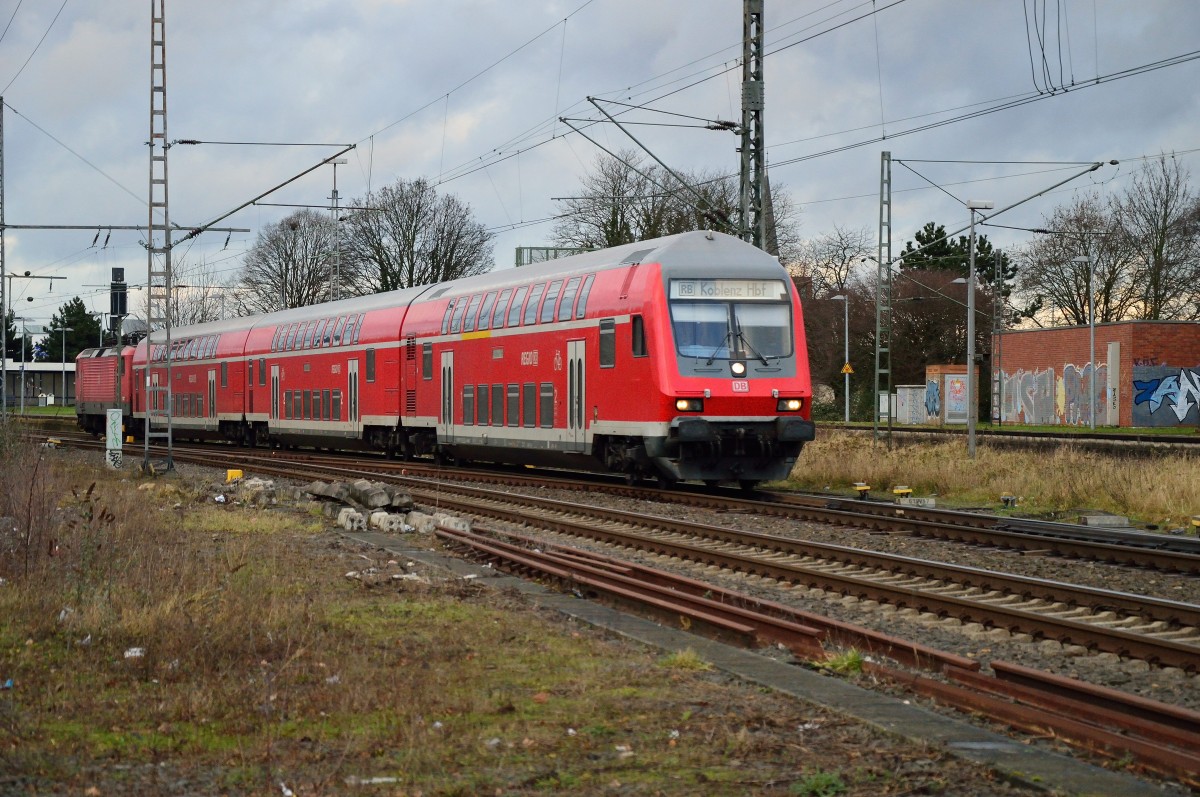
x: 702, y: 252
x: 712, y: 253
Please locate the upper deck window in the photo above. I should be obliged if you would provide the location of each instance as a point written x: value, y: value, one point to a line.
x: 514, y: 310
x: 501, y: 308
x: 531, y: 307
x: 551, y: 298
x: 472, y: 312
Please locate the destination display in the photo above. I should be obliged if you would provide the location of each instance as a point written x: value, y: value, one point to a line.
x: 729, y: 290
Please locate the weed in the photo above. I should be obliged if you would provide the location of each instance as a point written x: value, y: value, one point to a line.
x: 687, y: 660
x: 847, y: 663
x: 818, y: 784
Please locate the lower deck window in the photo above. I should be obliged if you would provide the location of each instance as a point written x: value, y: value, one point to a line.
x: 514, y: 403
x: 498, y: 405
x: 529, y: 416
x: 468, y: 404
x: 546, y: 404
x: 483, y: 401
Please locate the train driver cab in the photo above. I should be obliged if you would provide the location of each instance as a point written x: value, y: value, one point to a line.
x: 739, y: 328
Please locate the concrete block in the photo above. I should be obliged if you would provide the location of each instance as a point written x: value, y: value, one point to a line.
x: 423, y: 523
x: 1103, y: 520
x: 351, y: 519
x: 452, y: 522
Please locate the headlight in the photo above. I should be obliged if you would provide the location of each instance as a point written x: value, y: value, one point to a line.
x: 789, y: 405
x: 738, y: 368
x: 689, y: 405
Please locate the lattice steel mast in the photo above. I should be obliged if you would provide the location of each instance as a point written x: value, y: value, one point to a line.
x: 753, y: 219
x: 158, y: 246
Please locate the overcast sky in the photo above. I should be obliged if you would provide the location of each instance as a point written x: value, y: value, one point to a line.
x: 466, y: 94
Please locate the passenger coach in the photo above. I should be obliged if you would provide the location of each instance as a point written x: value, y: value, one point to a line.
x: 680, y: 358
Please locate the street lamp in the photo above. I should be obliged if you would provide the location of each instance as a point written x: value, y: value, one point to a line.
x: 845, y: 300
x: 1091, y: 337
x: 65, y: 330
x: 22, y: 320
x: 972, y: 206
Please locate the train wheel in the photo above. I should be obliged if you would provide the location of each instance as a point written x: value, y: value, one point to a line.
x: 747, y: 485
x: 714, y: 483
x: 665, y: 482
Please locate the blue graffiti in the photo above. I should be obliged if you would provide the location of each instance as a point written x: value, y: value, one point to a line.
x: 933, y: 399
x: 1155, y: 391
x: 1179, y: 391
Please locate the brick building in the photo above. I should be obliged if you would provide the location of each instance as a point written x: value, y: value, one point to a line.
x: 1147, y: 374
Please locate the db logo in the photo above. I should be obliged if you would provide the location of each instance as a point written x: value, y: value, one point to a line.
x: 741, y: 386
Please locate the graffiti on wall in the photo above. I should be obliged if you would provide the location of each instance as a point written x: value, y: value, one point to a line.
x: 1043, y: 397
x: 1164, y: 396
x: 933, y: 400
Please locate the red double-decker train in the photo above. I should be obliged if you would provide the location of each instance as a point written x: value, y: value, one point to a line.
x: 679, y: 358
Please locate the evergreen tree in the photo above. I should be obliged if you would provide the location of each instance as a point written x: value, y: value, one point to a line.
x: 82, y: 332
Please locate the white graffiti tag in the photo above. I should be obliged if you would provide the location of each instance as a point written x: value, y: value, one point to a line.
x: 1189, y: 387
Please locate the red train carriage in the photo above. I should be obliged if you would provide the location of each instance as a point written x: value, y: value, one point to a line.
x: 681, y: 358
x: 103, y: 381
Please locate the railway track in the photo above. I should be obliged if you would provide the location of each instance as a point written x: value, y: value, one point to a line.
x: 1112, y: 723
x: 1159, y: 737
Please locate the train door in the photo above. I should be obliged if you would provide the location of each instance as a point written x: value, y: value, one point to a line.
x: 446, y: 416
x: 212, y: 398
x: 274, y: 415
x: 352, y: 395
x: 576, y: 395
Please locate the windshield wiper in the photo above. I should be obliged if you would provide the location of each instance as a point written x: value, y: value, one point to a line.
x: 742, y: 337
x: 721, y: 345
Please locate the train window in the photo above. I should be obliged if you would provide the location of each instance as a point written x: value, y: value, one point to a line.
x: 224, y: 374
x: 262, y: 372
x: 249, y: 372
x: 608, y: 342
x: 551, y: 299
x: 581, y: 304
x: 497, y: 405
x: 469, y: 405
x: 567, y: 303
x: 456, y: 319
x: 514, y: 402
x: 546, y: 404
x: 320, y: 334
x: 337, y: 332
x: 485, y: 311
x: 427, y: 361
x: 305, y: 403
x: 765, y: 328
x: 358, y: 326
x: 291, y: 338
x: 529, y: 399
x: 212, y: 346
x: 514, y: 310
x: 446, y: 316
x: 325, y: 404
x: 199, y: 406
x: 297, y: 405
x: 275, y: 340
x: 287, y: 404
x: 501, y: 308
x: 472, y: 313
x: 370, y: 365
x: 483, y: 405
x: 639, y: 336
x: 337, y: 405
x: 308, y: 335
x: 531, y: 307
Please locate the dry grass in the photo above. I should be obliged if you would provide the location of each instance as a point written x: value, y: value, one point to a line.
x: 1162, y: 490
x: 262, y: 664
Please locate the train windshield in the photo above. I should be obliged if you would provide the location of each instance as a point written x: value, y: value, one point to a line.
x: 755, y: 324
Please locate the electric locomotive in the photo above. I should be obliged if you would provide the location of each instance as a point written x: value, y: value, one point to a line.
x: 679, y: 358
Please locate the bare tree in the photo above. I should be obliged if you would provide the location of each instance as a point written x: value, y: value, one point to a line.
x: 1050, y: 276
x: 411, y: 236
x: 830, y: 259
x: 623, y: 200
x: 289, y: 264
x: 1158, y: 219
x: 197, y: 294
